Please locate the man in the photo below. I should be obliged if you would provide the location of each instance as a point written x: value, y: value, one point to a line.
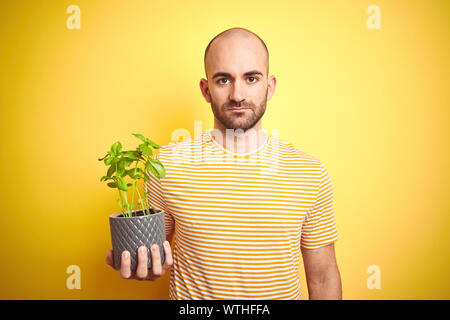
x: 242, y: 204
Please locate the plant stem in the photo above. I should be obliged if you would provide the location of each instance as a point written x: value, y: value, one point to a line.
x: 144, y: 210
x: 121, y: 198
x: 146, y: 202
x: 126, y: 200
x: 121, y: 202
x: 134, y: 184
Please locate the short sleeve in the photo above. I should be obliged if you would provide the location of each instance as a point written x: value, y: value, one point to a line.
x: 156, y: 200
x: 319, y: 226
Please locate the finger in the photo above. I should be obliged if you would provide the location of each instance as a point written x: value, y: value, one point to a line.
x: 168, y: 261
x: 156, y: 261
x: 110, y: 258
x: 141, y: 271
x: 125, y: 262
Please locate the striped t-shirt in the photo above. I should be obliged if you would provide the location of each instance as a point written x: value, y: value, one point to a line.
x: 240, y: 220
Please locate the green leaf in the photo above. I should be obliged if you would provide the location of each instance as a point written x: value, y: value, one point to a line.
x: 146, y: 174
x: 121, y: 184
x: 128, y: 162
x: 133, y: 173
x: 121, y: 172
x: 147, y: 177
x: 108, y: 160
x: 147, y: 141
x: 153, y: 144
x: 150, y: 168
x: 116, y: 148
x: 111, y: 170
x: 145, y: 149
x: 124, y: 162
x: 140, y: 136
x: 103, y: 157
x: 156, y: 167
x: 159, y: 167
x: 112, y: 184
x: 131, y: 155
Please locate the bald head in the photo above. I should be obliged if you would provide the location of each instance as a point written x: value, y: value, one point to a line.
x: 235, y: 39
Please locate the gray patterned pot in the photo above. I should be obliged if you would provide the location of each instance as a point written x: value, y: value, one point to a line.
x: 139, y: 230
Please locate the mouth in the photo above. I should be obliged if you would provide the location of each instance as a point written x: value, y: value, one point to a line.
x: 238, y: 108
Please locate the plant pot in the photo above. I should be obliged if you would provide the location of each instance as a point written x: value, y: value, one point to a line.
x: 139, y: 230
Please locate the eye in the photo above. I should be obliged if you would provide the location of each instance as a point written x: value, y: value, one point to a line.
x: 222, y: 81
x: 252, y: 79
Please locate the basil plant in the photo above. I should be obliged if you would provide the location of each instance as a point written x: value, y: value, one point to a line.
x: 119, y: 161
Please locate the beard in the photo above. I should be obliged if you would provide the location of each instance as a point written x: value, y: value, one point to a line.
x: 243, y: 120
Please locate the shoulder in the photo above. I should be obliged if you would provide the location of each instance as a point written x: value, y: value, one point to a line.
x: 290, y: 153
x: 181, y: 149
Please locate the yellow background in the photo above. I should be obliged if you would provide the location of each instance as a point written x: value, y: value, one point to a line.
x: 373, y: 105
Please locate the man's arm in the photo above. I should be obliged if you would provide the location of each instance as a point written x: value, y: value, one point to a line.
x: 322, y: 274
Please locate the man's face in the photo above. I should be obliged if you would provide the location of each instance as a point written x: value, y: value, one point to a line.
x: 237, y: 85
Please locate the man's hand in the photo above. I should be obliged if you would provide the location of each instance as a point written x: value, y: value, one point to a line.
x: 142, y: 272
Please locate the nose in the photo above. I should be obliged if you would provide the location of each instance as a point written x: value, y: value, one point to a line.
x: 237, y: 92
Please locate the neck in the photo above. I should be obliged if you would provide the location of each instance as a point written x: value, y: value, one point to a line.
x: 238, y: 141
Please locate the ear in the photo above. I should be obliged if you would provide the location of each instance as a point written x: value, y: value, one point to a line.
x: 271, y: 84
x: 205, y: 90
